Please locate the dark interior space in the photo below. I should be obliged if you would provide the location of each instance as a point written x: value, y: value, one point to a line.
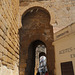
x: 31, y: 57
x: 67, y: 68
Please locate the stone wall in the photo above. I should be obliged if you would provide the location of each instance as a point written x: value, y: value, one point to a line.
x: 61, y: 11
x: 9, y: 39
x: 35, y: 31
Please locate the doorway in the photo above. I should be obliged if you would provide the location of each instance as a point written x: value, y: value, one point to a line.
x: 36, y: 30
x: 67, y: 68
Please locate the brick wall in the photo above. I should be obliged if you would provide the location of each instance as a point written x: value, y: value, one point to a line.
x: 9, y: 39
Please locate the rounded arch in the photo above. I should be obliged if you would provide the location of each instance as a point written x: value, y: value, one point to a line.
x: 36, y: 17
x: 31, y: 56
x: 37, y: 42
x: 35, y: 8
x: 42, y: 54
x: 37, y: 4
x: 28, y: 43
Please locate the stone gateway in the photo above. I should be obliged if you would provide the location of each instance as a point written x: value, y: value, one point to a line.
x: 26, y: 25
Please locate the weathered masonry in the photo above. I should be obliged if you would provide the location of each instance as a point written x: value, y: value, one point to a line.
x: 9, y: 38
x: 25, y: 24
x: 35, y: 31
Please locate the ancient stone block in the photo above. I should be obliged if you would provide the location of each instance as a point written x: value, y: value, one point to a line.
x: 9, y: 55
x: 10, y: 66
x: 1, y: 32
x: 4, y: 58
x: 9, y: 60
x: 1, y: 40
x: 4, y: 63
x: 5, y: 51
x: 23, y: 65
x: 1, y: 48
x: 0, y: 56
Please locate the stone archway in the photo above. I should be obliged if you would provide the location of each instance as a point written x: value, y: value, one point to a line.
x: 31, y: 57
x: 36, y: 25
x: 42, y: 54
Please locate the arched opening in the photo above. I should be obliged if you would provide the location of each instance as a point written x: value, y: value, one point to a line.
x: 30, y: 69
x: 36, y: 9
x: 40, y: 50
x: 35, y: 25
x: 42, y: 54
x: 43, y: 65
x: 36, y: 17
